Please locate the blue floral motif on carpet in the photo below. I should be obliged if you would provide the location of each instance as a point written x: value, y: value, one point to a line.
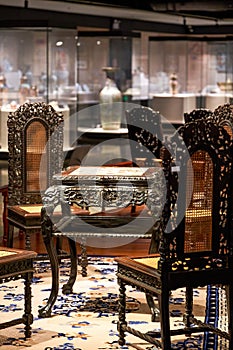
x: 87, y: 318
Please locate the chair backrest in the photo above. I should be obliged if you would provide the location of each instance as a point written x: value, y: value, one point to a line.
x: 199, y: 159
x: 35, y: 130
x: 199, y: 113
x: 145, y: 135
x: 223, y: 115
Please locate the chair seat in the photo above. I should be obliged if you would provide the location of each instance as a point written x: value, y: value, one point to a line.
x: 27, y: 209
x: 25, y: 216
x: 143, y: 272
x: 11, y: 255
x: 151, y: 261
x: 143, y: 263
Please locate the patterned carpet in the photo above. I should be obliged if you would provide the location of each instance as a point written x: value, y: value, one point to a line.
x: 87, y: 319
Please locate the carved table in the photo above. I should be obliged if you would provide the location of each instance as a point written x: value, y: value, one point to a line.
x: 97, y: 190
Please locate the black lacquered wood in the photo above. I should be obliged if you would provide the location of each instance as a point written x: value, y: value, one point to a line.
x: 177, y: 266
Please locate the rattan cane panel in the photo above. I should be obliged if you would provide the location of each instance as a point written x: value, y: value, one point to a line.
x: 31, y: 209
x: 4, y: 253
x: 198, y: 220
x: 191, y: 214
x: 36, y: 141
x: 150, y: 261
x: 229, y: 130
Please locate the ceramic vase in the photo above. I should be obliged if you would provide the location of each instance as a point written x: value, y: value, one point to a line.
x: 110, y: 103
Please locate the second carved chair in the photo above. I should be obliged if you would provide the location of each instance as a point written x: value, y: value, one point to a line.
x: 35, y: 134
x: 146, y: 138
x: 196, y: 239
x: 145, y: 135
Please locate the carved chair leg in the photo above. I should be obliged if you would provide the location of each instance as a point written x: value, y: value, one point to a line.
x: 163, y: 300
x: 155, y: 317
x: 122, y: 310
x: 153, y: 249
x: 188, y: 306
x: 10, y: 237
x: 27, y: 239
x: 28, y: 317
x: 21, y: 234
x: 229, y: 292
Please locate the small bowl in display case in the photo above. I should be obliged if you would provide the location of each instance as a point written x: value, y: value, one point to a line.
x: 225, y: 86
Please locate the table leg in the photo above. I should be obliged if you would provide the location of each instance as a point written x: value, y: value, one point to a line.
x: 83, y: 258
x: 52, y: 253
x: 68, y: 287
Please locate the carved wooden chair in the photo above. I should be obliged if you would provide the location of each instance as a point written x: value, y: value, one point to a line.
x: 145, y: 135
x: 35, y: 134
x: 196, y: 240
x: 18, y: 264
x: 199, y: 113
x: 222, y: 115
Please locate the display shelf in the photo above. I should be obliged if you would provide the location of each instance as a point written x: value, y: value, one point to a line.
x: 212, y: 101
x: 173, y: 107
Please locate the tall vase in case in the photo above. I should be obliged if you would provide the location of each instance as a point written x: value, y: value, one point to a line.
x: 110, y: 97
x: 173, y: 84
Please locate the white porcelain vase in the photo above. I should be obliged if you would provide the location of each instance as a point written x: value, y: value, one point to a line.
x: 110, y: 106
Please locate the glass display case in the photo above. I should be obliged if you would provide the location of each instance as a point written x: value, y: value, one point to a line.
x: 37, y: 64
x: 203, y: 70
x: 218, y: 76
x: 102, y: 52
x: 68, y: 69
